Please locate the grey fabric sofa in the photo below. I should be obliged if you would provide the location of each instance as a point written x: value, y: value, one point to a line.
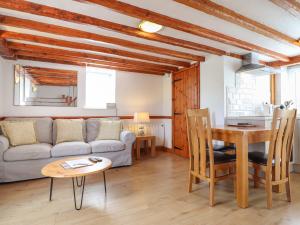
x: 25, y: 162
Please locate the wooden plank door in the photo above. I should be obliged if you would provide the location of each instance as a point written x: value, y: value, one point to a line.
x: 186, y: 95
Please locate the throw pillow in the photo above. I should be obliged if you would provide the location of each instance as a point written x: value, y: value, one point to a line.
x: 109, y: 130
x: 69, y: 130
x: 20, y: 132
x: 2, y: 131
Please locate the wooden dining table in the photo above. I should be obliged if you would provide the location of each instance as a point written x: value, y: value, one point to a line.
x: 241, y: 137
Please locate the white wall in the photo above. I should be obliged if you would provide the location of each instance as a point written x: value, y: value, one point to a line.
x: 212, y: 88
x: 1, y: 87
x: 135, y: 92
x: 216, y: 73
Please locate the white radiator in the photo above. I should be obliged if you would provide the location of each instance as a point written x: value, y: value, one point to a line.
x: 156, y: 129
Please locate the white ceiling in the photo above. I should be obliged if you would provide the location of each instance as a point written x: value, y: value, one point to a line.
x: 262, y: 11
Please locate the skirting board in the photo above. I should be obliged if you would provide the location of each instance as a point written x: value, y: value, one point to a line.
x: 165, y: 149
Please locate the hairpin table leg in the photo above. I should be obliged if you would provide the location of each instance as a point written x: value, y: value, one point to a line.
x: 82, y: 191
x: 79, y: 184
x: 104, y: 181
x: 51, y: 187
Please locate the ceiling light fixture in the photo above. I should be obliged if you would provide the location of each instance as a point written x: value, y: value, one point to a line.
x: 150, y: 27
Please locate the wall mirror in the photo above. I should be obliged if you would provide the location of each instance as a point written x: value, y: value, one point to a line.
x: 37, y: 86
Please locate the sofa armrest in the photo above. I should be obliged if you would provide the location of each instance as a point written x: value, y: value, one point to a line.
x: 4, y: 145
x: 127, y: 137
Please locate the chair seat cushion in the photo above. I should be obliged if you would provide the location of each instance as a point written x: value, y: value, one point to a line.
x: 107, y: 146
x: 258, y: 157
x: 71, y: 148
x: 28, y: 152
x: 221, y: 157
x: 223, y: 148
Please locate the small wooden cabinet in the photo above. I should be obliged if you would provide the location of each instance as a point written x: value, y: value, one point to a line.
x: 148, y: 140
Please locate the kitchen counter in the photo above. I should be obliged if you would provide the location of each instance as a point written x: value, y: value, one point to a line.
x: 248, y: 118
x: 252, y: 117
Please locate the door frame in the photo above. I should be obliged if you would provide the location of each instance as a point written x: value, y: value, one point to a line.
x: 197, y: 105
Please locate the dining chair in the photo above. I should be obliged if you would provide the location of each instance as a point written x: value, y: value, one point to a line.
x: 273, y: 168
x: 204, y: 161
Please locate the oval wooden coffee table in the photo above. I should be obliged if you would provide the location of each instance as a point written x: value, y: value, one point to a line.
x: 56, y: 170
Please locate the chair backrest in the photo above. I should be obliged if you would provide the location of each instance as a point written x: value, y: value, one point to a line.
x: 199, y: 137
x: 283, y: 126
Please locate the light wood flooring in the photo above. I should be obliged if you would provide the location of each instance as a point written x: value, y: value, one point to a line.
x: 151, y: 192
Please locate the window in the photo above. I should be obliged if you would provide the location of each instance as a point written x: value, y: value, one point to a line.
x: 100, y: 87
x: 290, y: 83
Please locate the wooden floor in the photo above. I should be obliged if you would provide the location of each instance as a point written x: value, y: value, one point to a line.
x: 153, y: 191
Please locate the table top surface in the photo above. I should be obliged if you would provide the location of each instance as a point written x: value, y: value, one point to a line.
x: 240, y: 129
x: 55, y: 169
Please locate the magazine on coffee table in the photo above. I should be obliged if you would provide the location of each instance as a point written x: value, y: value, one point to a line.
x: 77, y: 163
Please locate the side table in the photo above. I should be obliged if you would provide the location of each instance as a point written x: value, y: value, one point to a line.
x: 147, y: 139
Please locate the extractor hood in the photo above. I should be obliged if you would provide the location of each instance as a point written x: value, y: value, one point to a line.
x: 250, y: 64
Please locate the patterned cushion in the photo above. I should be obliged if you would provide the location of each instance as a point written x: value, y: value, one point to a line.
x: 43, y: 127
x: 20, y: 132
x: 93, y: 125
x: 2, y: 132
x: 69, y: 130
x: 109, y: 130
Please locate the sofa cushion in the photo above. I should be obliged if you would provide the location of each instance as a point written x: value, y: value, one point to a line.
x: 55, y: 130
x: 69, y: 130
x: 27, y: 152
x: 102, y: 146
x: 92, y: 127
x: 109, y: 130
x: 43, y: 128
x: 70, y: 148
x: 20, y: 132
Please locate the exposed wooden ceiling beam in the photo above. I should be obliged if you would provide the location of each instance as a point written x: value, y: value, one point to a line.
x: 46, y: 55
x: 82, y: 46
x: 292, y: 6
x: 42, y: 76
x: 229, y: 15
x: 84, y: 55
x: 76, y: 63
x: 145, y: 14
x: 44, y: 80
x: 51, y: 71
x: 68, y: 62
x: 293, y: 60
x: 69, y: 32
x: 4, y: 50
x: 42, y: 10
